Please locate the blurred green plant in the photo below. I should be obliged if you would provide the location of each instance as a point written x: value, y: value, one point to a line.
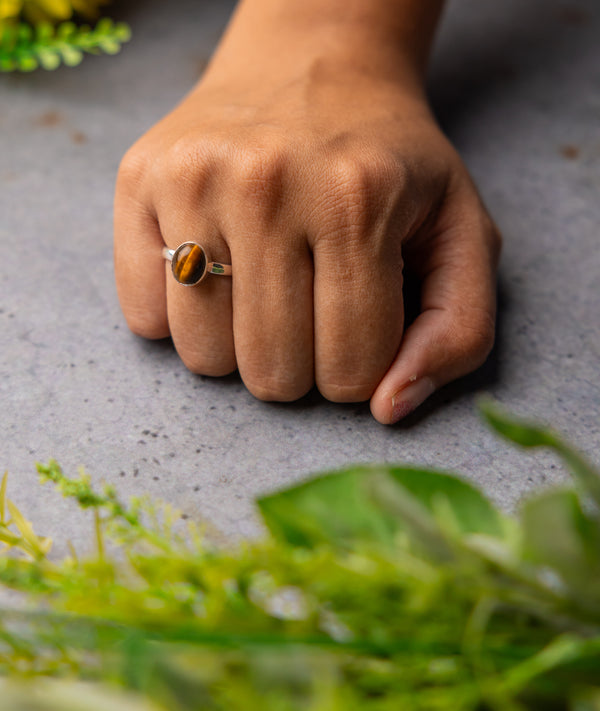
x: 40, y: 33
x: 379, y: 587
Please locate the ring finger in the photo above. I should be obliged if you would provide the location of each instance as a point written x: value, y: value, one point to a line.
x: 200, y: 316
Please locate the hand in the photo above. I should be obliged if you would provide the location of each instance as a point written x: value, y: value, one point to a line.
x: 316, y: 178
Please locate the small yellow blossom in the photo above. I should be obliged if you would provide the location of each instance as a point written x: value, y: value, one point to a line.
x: 10, y: 8
x: 48, y: 10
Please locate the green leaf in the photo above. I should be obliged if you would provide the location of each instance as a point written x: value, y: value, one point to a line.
x: 71, y: 55
x: 11, y: 539
x: 440, y: 493
x: 561, y: 651
x: 24, y: 32
x: 105, y: 25
x: 49, y: 60
x: 27, y: 63
x: 7, y: 64
x: 527, y: 434
x: 557, y: 533
x: 44, y: 32
x: 412, y: 517
x: 109, y: 45
x: 349, y: 507
x: 516, y: 430
x: 3, y: 498
x: 66, y: 30
x: 36, y: 546
x: 332, y: 508
x: 122, y: 32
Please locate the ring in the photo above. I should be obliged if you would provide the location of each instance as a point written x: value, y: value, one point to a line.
x: 189, y: 263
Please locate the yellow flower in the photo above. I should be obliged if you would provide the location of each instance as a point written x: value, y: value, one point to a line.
x: 10, y: 9
x: 48, y: 10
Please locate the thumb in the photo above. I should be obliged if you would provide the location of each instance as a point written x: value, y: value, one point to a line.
x: 454, y: 332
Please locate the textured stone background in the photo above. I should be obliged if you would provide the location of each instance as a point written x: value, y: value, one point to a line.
x: 516, y: 85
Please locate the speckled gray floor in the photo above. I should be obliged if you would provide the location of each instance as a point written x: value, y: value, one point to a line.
x: 516, y: 85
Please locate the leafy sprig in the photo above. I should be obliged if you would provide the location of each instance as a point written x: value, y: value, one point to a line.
x: 26, y: 47
x: 379, y: 587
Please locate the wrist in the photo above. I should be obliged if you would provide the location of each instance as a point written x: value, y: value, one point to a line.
x: 387, y: 40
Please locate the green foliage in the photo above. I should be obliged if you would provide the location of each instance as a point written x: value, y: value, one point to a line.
x: 527, y: 434
x: 375, y: 504
x: 379, y: 588
x: 25, y: 47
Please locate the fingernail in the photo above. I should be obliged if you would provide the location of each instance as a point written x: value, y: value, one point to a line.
x: 410, y: 397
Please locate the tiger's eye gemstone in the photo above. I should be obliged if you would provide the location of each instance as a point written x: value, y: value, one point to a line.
x: 188, y: 263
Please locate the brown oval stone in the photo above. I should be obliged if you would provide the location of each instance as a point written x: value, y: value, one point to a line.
x: 188, y: 263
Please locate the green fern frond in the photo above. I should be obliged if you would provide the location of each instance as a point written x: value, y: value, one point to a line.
x: 24, y: 47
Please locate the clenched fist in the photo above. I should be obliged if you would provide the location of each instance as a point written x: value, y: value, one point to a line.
x: 308, y: 159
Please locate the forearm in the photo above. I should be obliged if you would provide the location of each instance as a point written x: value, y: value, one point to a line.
x: 384, y: 36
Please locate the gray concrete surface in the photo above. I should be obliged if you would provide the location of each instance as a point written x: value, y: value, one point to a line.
x: 517, y: 86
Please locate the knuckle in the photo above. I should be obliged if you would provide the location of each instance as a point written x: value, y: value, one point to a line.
x: 383, y: 170
x: 360, y: 192
x: 260, y: 169
x: 365, y: 175
x: 185, y: 163
x: 133, y: 167
x: 351, y: 181
x: 346, y: 206
x: 259, y: 180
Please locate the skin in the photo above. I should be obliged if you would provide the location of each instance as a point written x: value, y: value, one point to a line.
x: 308, y: 158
